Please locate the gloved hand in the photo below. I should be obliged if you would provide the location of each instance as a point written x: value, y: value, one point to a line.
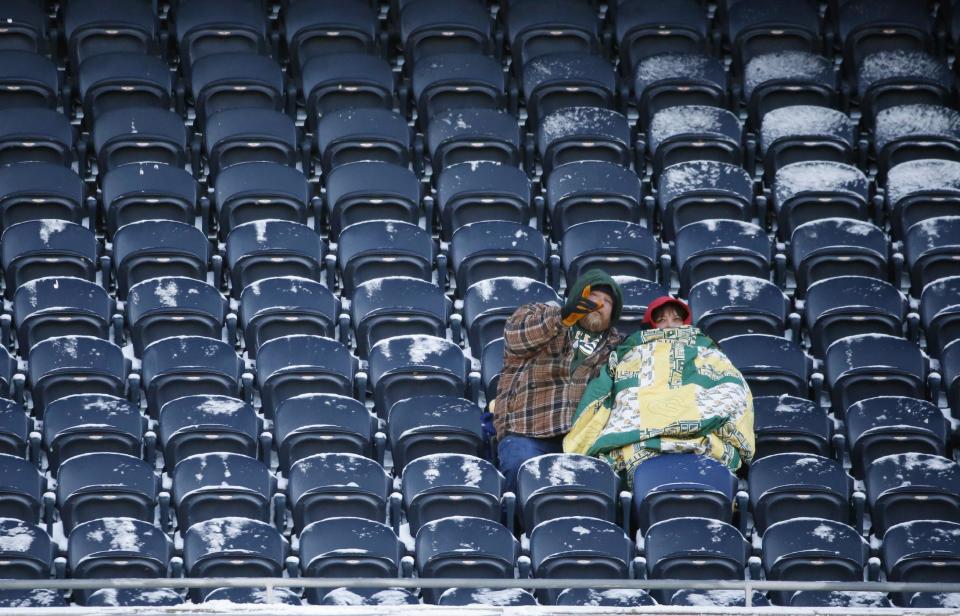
x: 578, y: 307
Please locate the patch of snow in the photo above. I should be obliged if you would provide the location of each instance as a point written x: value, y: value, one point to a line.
x: 798, y: 66
x: 49, y: 227
x: 922, y: 175
x: 907, y: 64
x: 818, y: 176
x: 166, y: 292
x: 917, y: 121
x: 17, y: 538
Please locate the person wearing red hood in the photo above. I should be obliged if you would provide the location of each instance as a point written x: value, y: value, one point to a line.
x: 665, y: 312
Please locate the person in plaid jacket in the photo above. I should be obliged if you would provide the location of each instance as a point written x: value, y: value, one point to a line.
x: 550, y: 354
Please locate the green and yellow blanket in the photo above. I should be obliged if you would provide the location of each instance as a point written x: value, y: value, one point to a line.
x: 669, y: 390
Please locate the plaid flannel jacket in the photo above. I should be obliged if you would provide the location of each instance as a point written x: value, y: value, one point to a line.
x: 537, y: 395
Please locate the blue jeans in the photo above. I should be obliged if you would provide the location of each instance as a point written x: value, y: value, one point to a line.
x: 515, y: 449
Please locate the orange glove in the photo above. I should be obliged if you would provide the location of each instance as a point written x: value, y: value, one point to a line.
x: 578, y: 307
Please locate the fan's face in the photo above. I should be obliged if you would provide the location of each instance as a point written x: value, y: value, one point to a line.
x: 598, y: 320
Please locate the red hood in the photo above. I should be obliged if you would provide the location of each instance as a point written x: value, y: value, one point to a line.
x: 662, y: 301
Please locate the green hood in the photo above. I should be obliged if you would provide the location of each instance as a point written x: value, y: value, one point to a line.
x: 599, y: 278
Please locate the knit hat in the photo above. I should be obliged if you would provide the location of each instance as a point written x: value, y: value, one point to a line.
x: 600, y: 281
x: 665, y: 300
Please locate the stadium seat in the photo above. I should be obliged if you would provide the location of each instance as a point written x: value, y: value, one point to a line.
x: 362, y: 191
x: 612, y: 597
x: 507, y: 597
x: 558, y: 485
x: 718, y: 598
x: 433, y: 424
x: 493, y: 248
x: 121, y: 80
x: 237, y: 136
x: 637, y: 295
x: 26, y: 549
x: 911, y: 132
x: 89, y: 423
x: 674, y: 79
x: 592, y: 190
x: 370, y: 596
x: 15, y: 428
x: 812, y: 190
x: 849, y: 305
x: 262, y: 190
x: 456, y: 81
x: 756, y: 27
x: 314, y: 423
x: 645, y: 29
x: 284, y: 306
x: 377, y: 248
x: 219, y: 26
x: 617, y: 247
x: 950, y: 363
x: 732, y: 305
x: 450, y: 484
x: 314, y: 28
x: 204, y: 423
x: 22, y: 488
x: 153, y: 248
x: 785, y: 78
x: 837, y: 247
x: 771, y: 365
x: 133, y: 597
x: 38, y: 248
x: 886, y: 425
x: 93, y: 28
x: 429, y: 28
x: 41, y: 191
x: 867, y: 365
x: 333, y: 485
x: 893, y: 77
x: 702, y: 189
x: 940, y: 313
x: 551, y: 82
x: 489, y: 303
x: 97, y: 485
x: 173, y: 305
x: 932, y: 250
x: 679, y: 485
x: 357, y: 134
x: 929, y: 599
x: 481, y: 190
x: 26, y: 31
x: 865, y: 27
x: 921, y: 551
x: 60, y: 306
x: 787, y: 424
x: 693, y: 132
x: 28, y: 79
x: 344, y: 81
x: 558, y: 26
x: 805, y: 133
x: 143, y: 191
x: 255, y: 596
x: 66, y: 365
x: 840, y: 599
x: 784, y: 486
x: 920, y: 189
x: 394, y: 306
x: 205, y: 482
x: 187, y: 365
x: 491, y: 364
x: 464, y: 547
x: 139, y: 135
x: 573, y: 134
x: 894, y: 482
x: 37, y: 597
x: 238, y: 80
x: 467, y: 135
x: 302, y: 364
x: 270, y: 248
x: 36, y: 135
x: 710, y: 248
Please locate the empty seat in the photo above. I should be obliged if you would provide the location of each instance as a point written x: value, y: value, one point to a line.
x: 237, y: 136
x: 88, y: 423
x: 557, y: 26
x: 60, y: 306
x: 617, y: 247
x: 40, y: 191
x: 481, y: 190
x: 710, y: 248
x: 247, y: 596
x: 494, y: 248
x: 864, y: 27
x: 464, y: 547
x: 353, y: 135
x: 784, y: 486
x: 672, y: 79
x: 921, y: 551
x: 363, y: 191
x: 929, y: 599
x: 378, y: 248
x: 777, y: 79
x: 370, y: 596
x: 911, y: 132
x: 397, y: 305
x: 645, y: 29
x: 693, y: 132
x: 553, y: 81
x: 557, y: 485
x: 37, y: 597
x: 144, y: 191
x: 940, y: 313
x: 900, y: 77
x: 262, y: 190
x: 139, y: 135
x: 491, y: 364
x: 317, y: 29
x: 36, y: 135
x: 454, y: 81
x: 465, y: 135
x: 837, y: 247
x: 414, y: 365
x: 848, y: 305
x: 133, y: 597
x: 920, y: 189
x: 270, y: 248
x: 28, y: 79
x: 727, y: 306
x: 97, y: 485
x: 812, y: 549
x: 187, y: 365
x: 123, y: 80
x: 867, y: 365
x: 592, y: 190
x: 238, y: 80
x: 343, y: 81
x: 812, y: 190
x: 700, y: 190
x: 676, y: 485
x: 489, y: 303
x: 331, y: 485
x: 26, y: 31
x: 885, y: 425
x: 68, y: 365
x: 428, y: 28
x: 718, y: 598
x: 309, y: 424
x: 206, y: 482
x: 283, y: 306
x: 152, y: 248
x: 571, y: 134
x: 173, y: 305
x: 15, y: 428
x: 433, y: 424
x: 802, y: 133
x: 22, y: 487
x: 787, y: 424
x: 612, y: 597
x: 840, y: 598
x: 449, y: 484
x: 904, y: 487
x: 38, y: 248
x: 204, y: 423
x: 299, y: 364
x: 507, y: 597
x: 637, y: 295
x: 26, y: 549
x: 932, y: 250
x: 94, y: 28
x: 219, y: 26
x: 756, y: 27
x: 950, y: 363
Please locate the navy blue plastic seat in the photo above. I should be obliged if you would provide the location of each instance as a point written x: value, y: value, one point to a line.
x: 89, y: 423
x: 146, y: 191
x: 694, y: 549
x: 592, y: 190
x: 755, y: 27
x: 133, y: 597
x: 468, y: 135
x: 910, y: 132
x: 559, y: 485
x: 493, y: 248
x: 59, y: 306
x: 491, y: 364
x: 22, y: 488
x: 805, y: 133
x: 331, y: 485
x: 186, y: 365
x: 433, y: 424
x: 718, y: 598
x: 173, y: 305
x: 397, y: 305
x: 789, y: 485
x: 929, y: 599
x: 904, y: 487
x: 152, y: 248
x: 351, y: 135
x: 886, y: 425
x: 97, y: 485
x: 604, y: 597
x: 920, y: 189
x: 283, y: 306
x: 702, y: 189
x: 892, y: 77
x: 120, y: 80
x: 777, y: 79
x: 26, y: 549
x: 489, y: 303
x: 455, y: 81
x: 262, y: 190
x: 270, y: 248
x: 534, y: 29
x: 921, y: 551
x: 864, y: 27
x: 950, y: 363
x: 507, y: 597
x: 481, y: 190
x: 840, y: 599
x: 363, y: 191
x: 26, y: 31
x: 848, y: 305
x: 932, y: 250
x: 378, y: 248
x: 415, y: 365
x: 677, y: 485
x: 710, y: 248
x: 8, y: 367
x: 309, y: 424
x: 343, y: 81
x: 236, y: 80
x: 450, y: 484
x: 693, y: 132
x: 36, y: 135
x: 671, y: 79
x: 95, y: 28
x: 617, y: 247
x: 254, y: 596
x: 940, y: 313
x: 40, y: 191
x: 117, y: 547
x: 812, y: 549
x: 637, y: 295
x: 15, y: 428
x: 68, y: 365
x: 787, y: 424
x: 28, y: 79
x: 236, y: 136
x: 732, y: 305
x: 812, y: 190
x: 428, y: 28
x: 315, y: 28
x: 572, y: 134
x: 204, y: 423
x: 219, y: 26
x: 867, y: 365
x: 370, y: 596
x: 553, y: 81
x: 645, y: 29
x: 134, y: 135
x: 464, y: 547
x: 37, y: 597
x: 38, y: 248
x: 207, y: 484
x: 831, y: 247
x: 302, y: 364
